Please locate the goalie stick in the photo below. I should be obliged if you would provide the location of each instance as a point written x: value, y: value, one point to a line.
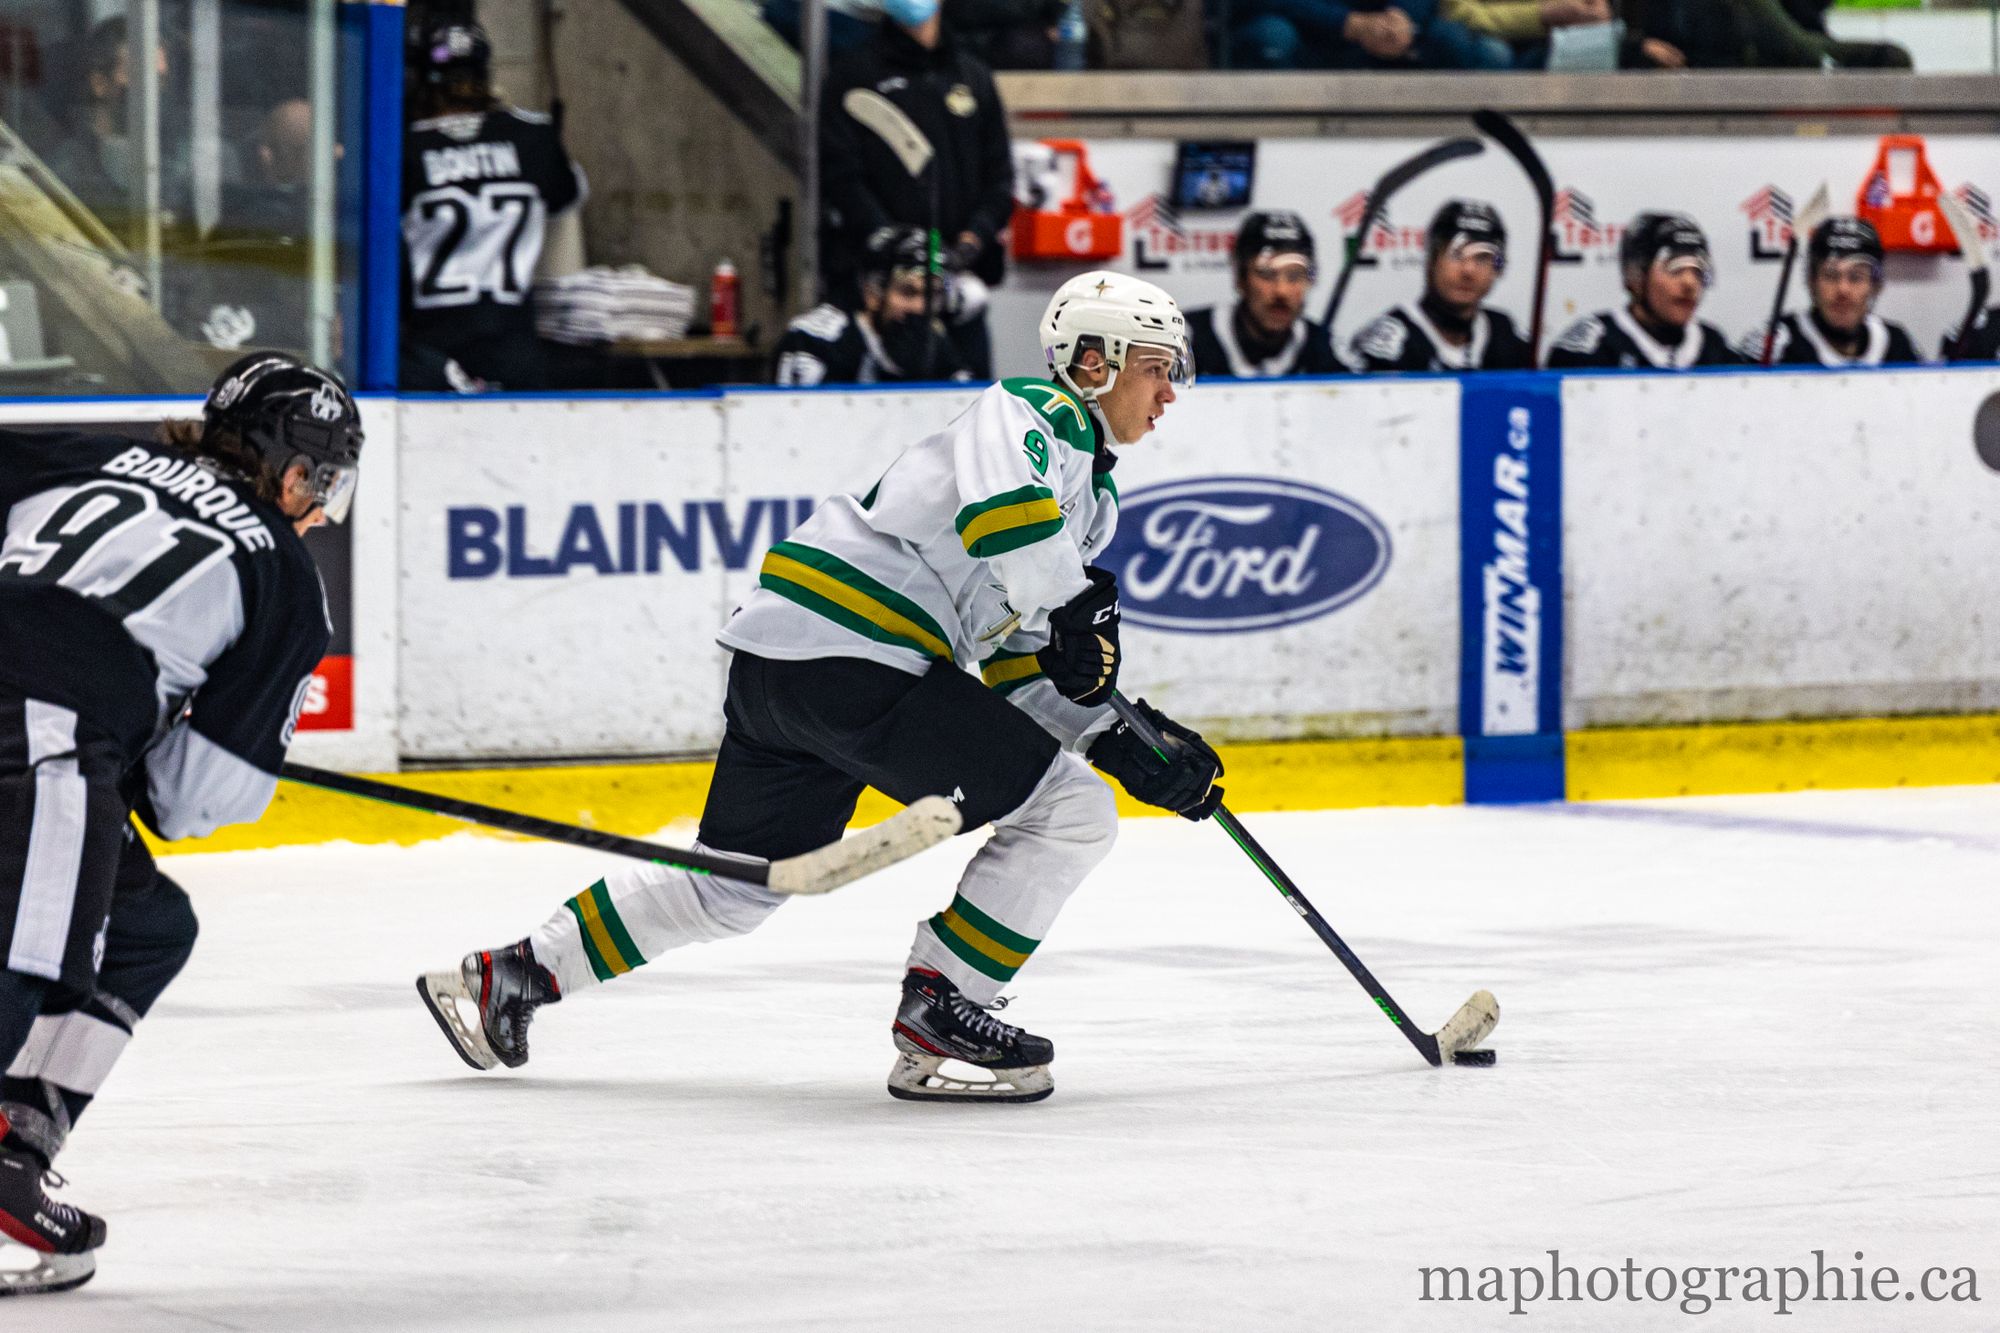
x: 1965, y: 229
x: 913, y: 149
x: 1509, y: 136
x: 921, y: 825
x: 1394, y: 179
x: 1803, y: 225
x: 1475, y: 1019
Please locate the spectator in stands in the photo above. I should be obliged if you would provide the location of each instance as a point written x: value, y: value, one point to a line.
x: 965, y: 192
x: 849, y: 23
x: 1368, y: 34
x: 99, y: 160
x: 1840, y: 326
x: 480, y: 181
x: 1665, y: 264
x: 1526, y: 25
x: 247, y: 284
x: 1746, y: 34
x: 1450, y: 327
x: 1007, y: 34
x: 1266, y: 332
x: 887, y: 338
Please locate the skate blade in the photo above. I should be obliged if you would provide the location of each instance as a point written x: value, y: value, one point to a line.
x: 445, y: 995
x: 1472, y: 1024
x: 918, y: 1077
x: 50, y: 1272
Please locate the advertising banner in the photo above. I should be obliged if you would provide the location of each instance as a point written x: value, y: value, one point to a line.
x: 1786, y: 545
x: 1289, y: 555
x: 1743, y: 190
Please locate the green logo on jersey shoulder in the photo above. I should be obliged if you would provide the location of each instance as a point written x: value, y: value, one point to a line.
x: 1059, y: 408
x: 1037, y: 446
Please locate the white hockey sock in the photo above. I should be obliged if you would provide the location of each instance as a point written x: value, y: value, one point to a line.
x: 636, y: 914
x: 1016, y: 884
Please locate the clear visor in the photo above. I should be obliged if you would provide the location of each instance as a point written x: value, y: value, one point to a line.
x: 333, y: 490
x: 1685, y: 262
x: 1858, y: 268
x: 1143, y: 356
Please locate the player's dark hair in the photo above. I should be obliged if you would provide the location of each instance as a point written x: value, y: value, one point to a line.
x: 226, y: 449
x: 105, y: 47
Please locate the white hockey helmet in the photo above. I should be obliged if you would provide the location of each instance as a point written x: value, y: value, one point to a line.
x: 1115, y: 310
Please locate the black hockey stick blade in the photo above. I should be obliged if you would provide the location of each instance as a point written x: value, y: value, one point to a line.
x: 1503, y: 131
x: 921, y: 825
x: 1392, y: 180
x: 1470, y: 1025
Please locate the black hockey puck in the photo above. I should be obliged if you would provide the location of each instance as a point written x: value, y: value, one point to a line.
x: 1473, y: 1057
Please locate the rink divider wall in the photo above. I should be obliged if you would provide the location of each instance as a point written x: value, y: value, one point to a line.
x: 1609, y: 585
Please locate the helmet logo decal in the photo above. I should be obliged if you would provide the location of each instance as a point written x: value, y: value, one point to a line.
x: 325, y: 404
x: 230, y: 390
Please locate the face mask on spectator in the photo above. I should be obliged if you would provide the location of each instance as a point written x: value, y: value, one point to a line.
x: 910, y: 13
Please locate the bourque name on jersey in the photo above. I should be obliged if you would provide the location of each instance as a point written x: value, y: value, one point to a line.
x: 1512, y: 632
x: 202, y: 490
x: 472, y: 162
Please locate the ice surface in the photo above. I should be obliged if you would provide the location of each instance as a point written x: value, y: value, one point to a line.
x: 1734, y: 1031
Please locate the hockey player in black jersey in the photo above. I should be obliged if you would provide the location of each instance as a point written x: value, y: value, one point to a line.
x: 160, y: 619
x: 888, y: 339
x: 480, y: 182
x: 1266, y: 332
x: 1665, y: 263
x: 1450, y: 327
x: 1840, y: 327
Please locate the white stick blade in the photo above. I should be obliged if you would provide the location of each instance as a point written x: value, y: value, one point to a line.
x: 1815, y: 212
x: 887, y: 120
x: 916, y: 828
x: 1964, y: 229
x: 1472, y: 1024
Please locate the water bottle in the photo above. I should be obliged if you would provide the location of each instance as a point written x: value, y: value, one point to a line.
x: 722, y: 301
x: 1070, y: 33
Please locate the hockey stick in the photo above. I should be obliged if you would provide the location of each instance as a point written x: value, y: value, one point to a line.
x: 1475, y: 1019
x: 923, y: 824
x: 913, y: 149
x: 1965, y: 229
x: 1803, y: 225
x: 1394, y: 179
x: 1508, y: 135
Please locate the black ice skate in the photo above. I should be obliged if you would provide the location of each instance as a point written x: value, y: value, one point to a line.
x: 936, y: 1023
x: 484, y: 1007
x: 58, y: 1236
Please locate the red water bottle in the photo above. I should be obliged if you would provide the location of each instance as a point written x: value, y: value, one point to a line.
x: 722, y: 301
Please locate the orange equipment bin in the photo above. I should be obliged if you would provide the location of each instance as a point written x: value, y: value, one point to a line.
x: 1080, y: 227
x: 1899, y: 196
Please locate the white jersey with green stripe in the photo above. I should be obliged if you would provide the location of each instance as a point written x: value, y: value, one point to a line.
x: 958, y: 553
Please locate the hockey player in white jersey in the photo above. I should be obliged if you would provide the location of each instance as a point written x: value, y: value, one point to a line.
x: 945, y: 633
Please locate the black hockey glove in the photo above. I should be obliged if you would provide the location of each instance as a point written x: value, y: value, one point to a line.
x: 1081, y: 660
x: 1183, y: 782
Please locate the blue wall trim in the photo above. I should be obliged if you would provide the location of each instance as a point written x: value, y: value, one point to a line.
x: 381, y: 251
x: 1510, y: 587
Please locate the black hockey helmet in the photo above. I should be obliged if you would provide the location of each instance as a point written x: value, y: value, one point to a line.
x: 1844, y: 238
x: 1268, y: 234
x: 1673, y: 239
x: 455, y: 53
x: 290, y: 412
x: 893, y: 249
x: 1470, y: 225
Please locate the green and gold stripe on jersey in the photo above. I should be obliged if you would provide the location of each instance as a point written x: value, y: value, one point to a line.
x: 828, y: 586
x: 606, y: 942
x: 1009, y: 521
x: 1006, y: 672
x: 981, y: 942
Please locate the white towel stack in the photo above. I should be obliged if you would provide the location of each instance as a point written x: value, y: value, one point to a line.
x: 606, y: 305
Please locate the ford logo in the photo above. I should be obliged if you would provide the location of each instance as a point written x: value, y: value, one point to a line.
x: 1221, y: 555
